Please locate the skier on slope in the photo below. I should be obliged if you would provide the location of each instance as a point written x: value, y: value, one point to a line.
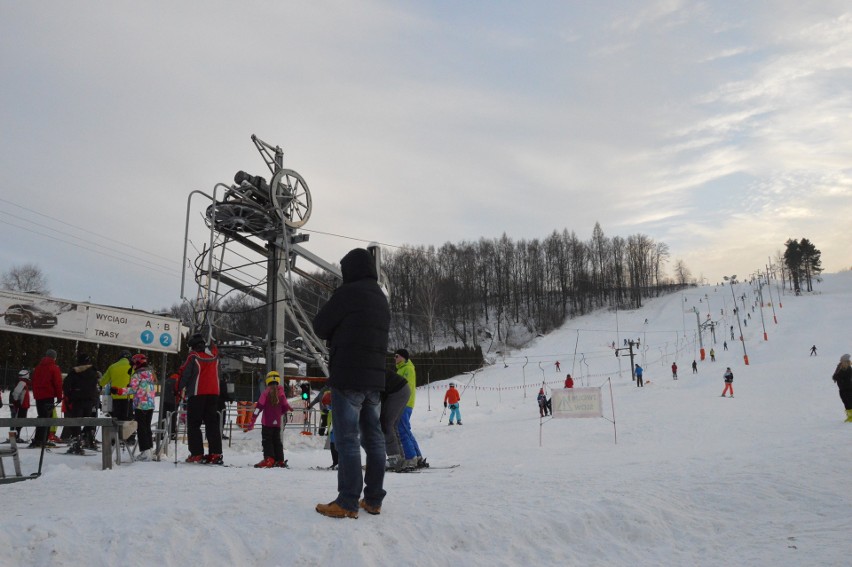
x: 729, y: 382
x: 274, y: 405
x: 542, y: 403
x: 451, y: 400
x: 199, y: 380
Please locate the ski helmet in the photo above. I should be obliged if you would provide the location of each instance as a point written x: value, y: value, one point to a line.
x: 273, y: 378
x: 452, y: 384
x: 139, y: 360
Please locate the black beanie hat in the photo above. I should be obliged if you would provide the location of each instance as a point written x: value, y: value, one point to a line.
x: 402, y: 352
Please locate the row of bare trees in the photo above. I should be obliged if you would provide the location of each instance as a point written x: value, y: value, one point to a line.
x: 508, y: 291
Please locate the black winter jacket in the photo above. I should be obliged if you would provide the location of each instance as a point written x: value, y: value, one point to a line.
x: 81, y: 384
x: 843, y: 378
x: 355, y: 321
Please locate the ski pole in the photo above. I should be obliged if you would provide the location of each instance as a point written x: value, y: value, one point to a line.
x: 442, y: 415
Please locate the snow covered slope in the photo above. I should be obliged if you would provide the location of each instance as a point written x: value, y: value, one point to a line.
x: 694, y: 479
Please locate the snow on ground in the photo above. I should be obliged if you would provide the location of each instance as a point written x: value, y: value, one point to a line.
x: 694, y: 479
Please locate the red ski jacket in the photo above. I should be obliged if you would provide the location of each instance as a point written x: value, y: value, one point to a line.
x: 452, y: 396
x: 47, y: 380
x: 199, y: 375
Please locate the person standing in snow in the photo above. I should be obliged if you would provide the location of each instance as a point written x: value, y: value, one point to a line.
x: 558, y: 369
x: 639, y: 382
x: 355, y: 322
x: 712, y: 355
x: 813, y: 351
x: 843, y: 378
x: 729, y: 382
x: 394, y: 400
x: 318, y: 399
x: 81, y: 396
x: 405, y: 368
x: 329, y: 440
x: 694, y: 367
x: 168, y: 404
x: 569, y: 382
x: 451, y: 400
x: 674, y: 370
x: 142, y: 390
x: 19, y: 397
x: 274, y: 405
x: 117, y: 377
x: 199, y: 380
x: 47, y: 391
x: 542, y: 403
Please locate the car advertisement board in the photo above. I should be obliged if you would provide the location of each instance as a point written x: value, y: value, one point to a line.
x: 47, y: 316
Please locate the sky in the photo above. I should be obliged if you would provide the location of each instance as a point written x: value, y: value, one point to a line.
x: 671, y: 474
x: 718, y: 128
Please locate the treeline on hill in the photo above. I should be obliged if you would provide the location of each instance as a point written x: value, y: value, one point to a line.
x: 509, y: 291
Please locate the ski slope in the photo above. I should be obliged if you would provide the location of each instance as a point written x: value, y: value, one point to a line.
x: 693, y: 479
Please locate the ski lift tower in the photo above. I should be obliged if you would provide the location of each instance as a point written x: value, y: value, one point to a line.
x: 259, y: 219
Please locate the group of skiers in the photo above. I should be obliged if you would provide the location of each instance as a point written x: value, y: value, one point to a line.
x: 127, y: 391
x: 545, y: 404
x: 130, y: 382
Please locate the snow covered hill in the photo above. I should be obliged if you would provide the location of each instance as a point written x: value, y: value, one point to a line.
x: 693, y: 479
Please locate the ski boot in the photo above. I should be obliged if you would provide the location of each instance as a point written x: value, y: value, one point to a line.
x: 213, y: 459
x: 266, y: 463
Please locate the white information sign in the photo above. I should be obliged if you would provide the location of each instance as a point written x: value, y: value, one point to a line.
x: 577, y: 402
x: 46, y: 316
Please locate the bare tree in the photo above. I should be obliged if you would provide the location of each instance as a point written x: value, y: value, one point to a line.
x: 25, y: 277
x: 682, y: 273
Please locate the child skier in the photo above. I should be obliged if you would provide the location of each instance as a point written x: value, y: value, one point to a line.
x: 273, y: 403
x: 452, y: 398
x: 729, y: 382
x: 143, y: 389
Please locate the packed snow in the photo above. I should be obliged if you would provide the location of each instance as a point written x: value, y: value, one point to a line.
x: 682, y: 476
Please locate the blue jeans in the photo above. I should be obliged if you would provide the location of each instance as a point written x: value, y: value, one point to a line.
x: 406, y: 436
x: 355, y: 415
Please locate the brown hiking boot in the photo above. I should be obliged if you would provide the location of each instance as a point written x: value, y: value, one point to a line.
x: 374, y: 510
x: 333, y: 510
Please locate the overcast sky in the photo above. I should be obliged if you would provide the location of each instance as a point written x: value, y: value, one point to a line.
x: 423, y: 123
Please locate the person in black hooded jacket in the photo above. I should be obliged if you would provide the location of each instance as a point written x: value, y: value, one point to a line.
x: 355, y: 321
x: 81, y: 392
